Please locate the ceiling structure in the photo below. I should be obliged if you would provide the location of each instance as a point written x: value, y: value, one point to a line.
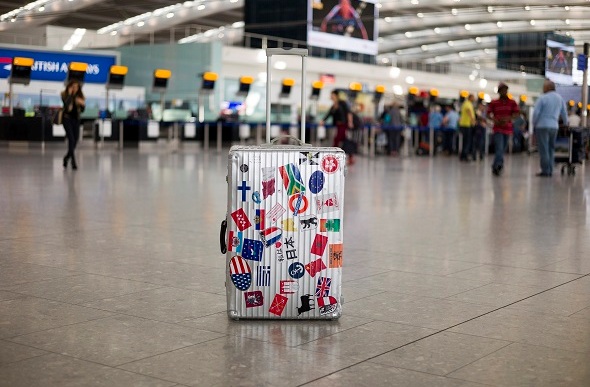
x: 427, y: 31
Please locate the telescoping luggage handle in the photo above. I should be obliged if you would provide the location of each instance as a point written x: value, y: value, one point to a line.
x: 302, y: 52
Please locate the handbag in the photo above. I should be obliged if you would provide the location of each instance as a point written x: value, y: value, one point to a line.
x: 58, y: 117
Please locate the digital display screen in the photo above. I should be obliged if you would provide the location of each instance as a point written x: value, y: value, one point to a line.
x: 160, y: 83
x: 559, y: 62
x: 208, y: 85
x: 116, y: 79
x: 347, y: 25
x: 22, y: 72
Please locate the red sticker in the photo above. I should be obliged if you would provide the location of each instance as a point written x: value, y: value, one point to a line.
x: 315, y: 267
x: 298, y: 204
x: 278, y: 305
x: 241, y: 219
x: 330, y: 164
x: 319, y: 245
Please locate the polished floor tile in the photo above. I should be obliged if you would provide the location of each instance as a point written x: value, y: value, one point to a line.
x: 441, y: 354
x: 116, y: 340
x: 112, y: 276
x: 54, y: 370
x: 529, y: 365
x: 241, y: 361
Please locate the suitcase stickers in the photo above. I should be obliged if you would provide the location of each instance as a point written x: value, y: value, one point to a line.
x: 284, y: 237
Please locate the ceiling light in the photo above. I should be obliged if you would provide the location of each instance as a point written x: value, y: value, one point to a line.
x: 483, y: 83
x: 384, y: 60
x: 420, y: 14
x: 527, y: 8
x: 490, y: 9
x: 113, y: 33
x: 471, y: 76
x: 415, y: 2
x: 387, y: 19
x: 378, y: 5
x: 437, y: 30
x: 477, y: 66
x: 451, y: 43
x: 410, y: 80
x: 424, y: 47
x: 394, y: 72
x: 13, y: 19
x: 487, y: 50
x: 499, y: 24
x: 170, y: 15
x: 437, y: 59
x: 454, y: 11
x: 478, y: 40
x: 467, y: 27
x: 567, y: 21
x: 408, y: 34
x: 398, y: 90
x: 201, y: 7
x: 42, y: 8
x: 532, y: 22
x: 141, y: 24
x: 523, y: 74
x: 188, y: 4
x: 461, y: 54
x: 567, y: 8
x: 280, y: 65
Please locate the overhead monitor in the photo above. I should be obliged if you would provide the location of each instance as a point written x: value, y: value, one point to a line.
x: 20, y: 70
x: 117, y: 77
x: 161, y: 77
x: 77, y: 71
x: 346, y: 25
x: 559, y: 62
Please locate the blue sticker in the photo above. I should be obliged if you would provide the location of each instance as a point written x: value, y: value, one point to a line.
x: 296, y: 270
x: 256, y: 197
x: 316, y: 182
x: 252, y: 250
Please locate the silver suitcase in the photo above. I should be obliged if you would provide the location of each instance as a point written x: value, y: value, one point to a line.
x: 283, y: 233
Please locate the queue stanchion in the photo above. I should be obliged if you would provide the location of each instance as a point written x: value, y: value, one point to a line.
x: 219, y: 136
x: 206, y: 137
x: 431, y: 142
x: 258, y: 133
x: 371, y: 144
x: 121, y: 135
x: 487, y: 142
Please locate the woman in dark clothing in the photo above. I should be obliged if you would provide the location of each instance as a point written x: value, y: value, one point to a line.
x: 73, y: 104
x: 341, y: 118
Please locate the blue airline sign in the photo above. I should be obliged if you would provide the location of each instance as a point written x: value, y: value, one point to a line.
x: 53, y: 66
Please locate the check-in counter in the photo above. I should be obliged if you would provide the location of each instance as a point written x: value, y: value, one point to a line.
x: 29, y: 129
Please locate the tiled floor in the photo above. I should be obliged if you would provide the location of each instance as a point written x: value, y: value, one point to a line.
x: 112, y: 276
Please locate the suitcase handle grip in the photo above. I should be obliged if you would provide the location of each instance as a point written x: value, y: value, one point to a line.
x: 222, y: 233
x: 276, y: 139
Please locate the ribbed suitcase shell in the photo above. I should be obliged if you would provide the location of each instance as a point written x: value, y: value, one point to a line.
x: 288, y: 265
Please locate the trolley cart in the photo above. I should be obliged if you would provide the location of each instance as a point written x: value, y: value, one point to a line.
x: 569, y: 150
x: 283, y: 232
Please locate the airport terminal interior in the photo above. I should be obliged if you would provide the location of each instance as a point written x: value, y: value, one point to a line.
x: 451, y: 272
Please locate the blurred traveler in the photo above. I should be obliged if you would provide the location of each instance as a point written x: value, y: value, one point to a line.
x: 466, y: 124
x: 341, y: 118
x: 451, y: 124
x: 73, y: 104
x: 549, y: 108
x: 396, y: 125
x: 480, y: 132
x: 502, y: 111
x: 574, y: 119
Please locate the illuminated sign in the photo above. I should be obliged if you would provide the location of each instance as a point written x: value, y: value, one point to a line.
x: 53, y: 66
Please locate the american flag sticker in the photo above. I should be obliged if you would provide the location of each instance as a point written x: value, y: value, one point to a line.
x: 323, y: 287
x: 335, y: 257
x: 278, y: 304
x: 263, y: 276
x: 240, y: 273
x: 241, y: 219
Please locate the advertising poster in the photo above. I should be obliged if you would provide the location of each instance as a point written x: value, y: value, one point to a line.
x: 559, y: 62
x: 347, y: 25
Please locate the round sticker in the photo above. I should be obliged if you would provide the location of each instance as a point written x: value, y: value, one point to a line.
x: 316, y: 182
x: 298, y: 204
x: 330, y: 164
x: 296, y: 270
x: 244, y: 168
